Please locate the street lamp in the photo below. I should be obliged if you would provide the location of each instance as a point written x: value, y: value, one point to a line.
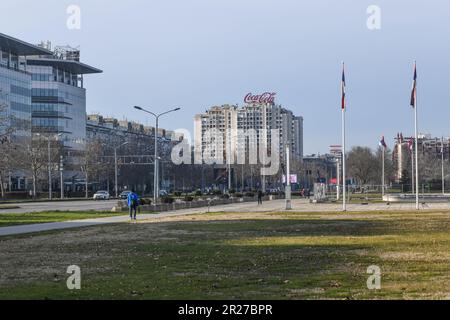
x: 156, y: 178
x: 115, y: 168
x: 50, y: 191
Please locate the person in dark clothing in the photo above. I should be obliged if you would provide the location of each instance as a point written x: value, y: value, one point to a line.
x: 260, y: 196
x: 133, y: 203
x: 308, y: 193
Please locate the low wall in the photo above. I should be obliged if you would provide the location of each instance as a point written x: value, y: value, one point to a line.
x: 411, y: 198
x: 122, y: 205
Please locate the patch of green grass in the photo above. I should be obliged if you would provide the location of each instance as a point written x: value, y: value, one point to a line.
x: 12, y: 219
x: 277, y: 255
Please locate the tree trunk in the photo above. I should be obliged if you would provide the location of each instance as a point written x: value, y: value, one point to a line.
x: 2, y: 190
x: 86, y: 185
x: 34, y: 185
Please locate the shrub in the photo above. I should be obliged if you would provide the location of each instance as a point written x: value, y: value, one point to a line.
x: 145, y: 201
x: 238, y: 195
x: 250, y: 194
x: 225, y: 196
x: 217, y: 192
x: 232, y: 191
x: 188, y: 198
x: 168, y: 200
x: 177, y: 193
x: 198, y: 193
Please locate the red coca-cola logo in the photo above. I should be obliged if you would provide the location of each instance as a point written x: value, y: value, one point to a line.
x: 265, y: 98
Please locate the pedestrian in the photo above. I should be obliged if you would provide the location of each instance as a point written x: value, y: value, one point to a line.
x: 260, y: 196
x: 133, y: 203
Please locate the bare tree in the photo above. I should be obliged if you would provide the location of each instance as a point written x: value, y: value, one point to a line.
x: 363, y: 166
x: 93, y: 163
x: 34, y: 158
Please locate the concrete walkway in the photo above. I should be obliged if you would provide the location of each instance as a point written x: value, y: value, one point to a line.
x: 277, y: 205
x: 67, y: 206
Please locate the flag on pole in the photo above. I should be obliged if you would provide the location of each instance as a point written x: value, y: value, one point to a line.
x: 344, y: 104
x: 383, y: 143
x: 410, y: 144
x: 414, y: 88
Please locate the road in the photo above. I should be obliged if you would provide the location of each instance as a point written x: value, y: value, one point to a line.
x: 89, y: 205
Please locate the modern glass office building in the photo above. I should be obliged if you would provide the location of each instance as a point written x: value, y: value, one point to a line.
x: 15, y: 85
x: 59, y: 97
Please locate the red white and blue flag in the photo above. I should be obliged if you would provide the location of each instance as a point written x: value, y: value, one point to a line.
x: 383, y: 143
x: 411, y: 144
x: 414, y: 89
x: 343, y: 102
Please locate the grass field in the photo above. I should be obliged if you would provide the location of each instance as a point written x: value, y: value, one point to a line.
x: 13, y: 219
x: 237, y: 256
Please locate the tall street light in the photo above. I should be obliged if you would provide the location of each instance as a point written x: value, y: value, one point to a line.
x: 49, y: 160
x: 116, y: 184
x: 156, y: 178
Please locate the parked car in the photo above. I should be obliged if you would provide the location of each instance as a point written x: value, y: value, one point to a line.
x: 124, y: 195
x: 163, y: 193
x: 101, y: 195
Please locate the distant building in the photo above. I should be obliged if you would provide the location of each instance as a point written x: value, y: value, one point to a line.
x: 228, y: 119
x: 15, y: 84
x: 403, y: 152
x: 59, y: 96
x: 107, y: 128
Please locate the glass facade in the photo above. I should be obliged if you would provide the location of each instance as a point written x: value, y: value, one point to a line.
x: 58, y: 105
x: 15, y: 94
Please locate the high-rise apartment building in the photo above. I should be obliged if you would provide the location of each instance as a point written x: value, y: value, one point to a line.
x: 229, y: 120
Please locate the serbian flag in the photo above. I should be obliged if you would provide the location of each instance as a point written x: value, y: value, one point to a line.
x: 383, y: 143
x: 410, y: 144
x: 343, y: 102
x: 414, y: 89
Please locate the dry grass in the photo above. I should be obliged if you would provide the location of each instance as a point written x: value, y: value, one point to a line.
x: 271, y: 255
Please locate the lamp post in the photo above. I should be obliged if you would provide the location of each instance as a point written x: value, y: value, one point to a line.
x: 442, y: 166
x: 116, y: 171
x: 156, y: 178
x: 61, y: 176
x: 288, y: 179
x: 49, y: 160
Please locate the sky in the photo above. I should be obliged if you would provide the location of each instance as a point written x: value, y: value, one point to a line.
x: 195, y: 54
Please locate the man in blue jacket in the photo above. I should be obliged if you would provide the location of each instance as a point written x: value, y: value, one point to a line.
x: 133, y: 200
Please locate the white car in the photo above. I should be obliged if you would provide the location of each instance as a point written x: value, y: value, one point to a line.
x: 101, y: 195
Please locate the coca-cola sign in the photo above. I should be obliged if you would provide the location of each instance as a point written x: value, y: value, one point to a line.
x: 265, y: 98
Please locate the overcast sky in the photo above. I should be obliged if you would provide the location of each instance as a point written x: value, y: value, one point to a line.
x: 198, y: 53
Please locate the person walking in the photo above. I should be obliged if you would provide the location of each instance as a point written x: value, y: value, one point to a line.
x: 260, y: 196
x: 133, y: 203
x: 308, y: 193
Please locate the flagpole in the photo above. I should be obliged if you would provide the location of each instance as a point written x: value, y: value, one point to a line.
x: 416, y: 145
x: 412, y: 170
x: 383, y: 179
x: 344, y: 174
x: 442, y: 160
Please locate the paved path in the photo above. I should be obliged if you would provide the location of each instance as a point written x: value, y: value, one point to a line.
x: 85, y: 205
x: 278, y: 205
